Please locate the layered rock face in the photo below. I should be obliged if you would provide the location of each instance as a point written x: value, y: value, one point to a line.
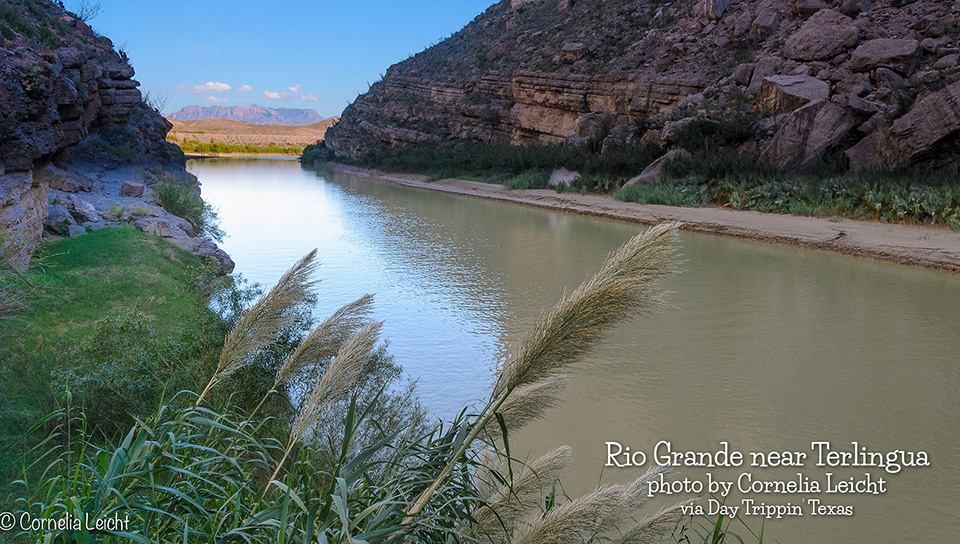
x: 856, y: 79
x: 69, y: 111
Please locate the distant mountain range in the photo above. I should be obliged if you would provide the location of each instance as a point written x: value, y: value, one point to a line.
x: 255, y: 114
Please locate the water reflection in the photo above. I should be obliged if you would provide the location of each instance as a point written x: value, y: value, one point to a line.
x: 766, y: 347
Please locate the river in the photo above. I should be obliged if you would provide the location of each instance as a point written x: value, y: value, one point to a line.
x: 764, y: 347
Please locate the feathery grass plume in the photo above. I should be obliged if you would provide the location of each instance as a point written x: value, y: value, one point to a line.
x: 510, y: 501
x: 343, y: 372
x: 326, y: 338
x: 527, y: 403
x: 621, y: 288
x: 586, y: 517
x: 260, y: 325
x: 341, y: 375
x: 656, y: 528
x: 484, y: 480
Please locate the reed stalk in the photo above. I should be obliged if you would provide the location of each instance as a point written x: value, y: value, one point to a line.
x: 623, y: 287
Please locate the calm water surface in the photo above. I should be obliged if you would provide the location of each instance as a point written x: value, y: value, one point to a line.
x: 766, y: 347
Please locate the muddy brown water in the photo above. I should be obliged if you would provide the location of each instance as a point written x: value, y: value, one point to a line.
x: 767, y: 348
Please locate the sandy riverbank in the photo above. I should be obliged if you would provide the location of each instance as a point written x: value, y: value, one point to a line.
x: 932, y: 247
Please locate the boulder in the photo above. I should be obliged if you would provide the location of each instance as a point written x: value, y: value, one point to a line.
x: 75, y: 183
x: 58, y: 219
x: 933, y: 118
x: 185, y: 226
x: 655, y: 170
x: 205, y: 249
x: 781, y: 94
x: 711, y: 10
x: 861, y: 107
x: 595, y: 126
x: 573, y: 51
x: 852, y: 8
x: 807, y: 134
x: 672, y: 129
x: 878, y: 121
x: 947, y: 61
x: 50, y: 175
x: 765, y: 23
x: 900, y: 55
x: 857, y: 84
x: 74, y: 231
x: 651, y: 137
x: 806, y: 8
x: 825, y: 35
x: 765, y: 67
x: 885, y: 78
x: 157, y: 227
x: 870, y: 153
x: 932, y: 45
x: 82, y: 210
x: 131, y: 188
x: 743, y: 73
x: 562, y: 176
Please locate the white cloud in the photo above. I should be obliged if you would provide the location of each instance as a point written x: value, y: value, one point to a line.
x: 216, y: 100
x: 208, y: 87
x: 270, y: 95
x: 310, y: 97
x: 244, y: 89
x: 295, y: 89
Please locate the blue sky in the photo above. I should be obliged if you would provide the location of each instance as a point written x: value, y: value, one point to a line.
x: 298, y: 53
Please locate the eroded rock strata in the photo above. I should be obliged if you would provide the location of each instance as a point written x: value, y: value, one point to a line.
x: 74, y: 128
x: 871, y: 82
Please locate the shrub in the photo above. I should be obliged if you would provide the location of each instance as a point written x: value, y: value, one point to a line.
x: 316, y: 152
x: 531, y: 179
x: 669, y: 194
x: 180, y: 196
x: 125, y: 369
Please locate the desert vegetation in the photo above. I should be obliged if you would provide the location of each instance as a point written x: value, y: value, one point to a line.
x: 194, y: 146
x: 720, y: 179
x: 713, y: 175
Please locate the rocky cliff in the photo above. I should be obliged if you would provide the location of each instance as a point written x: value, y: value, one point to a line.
x: 70, y: 111
x: 872, y: 83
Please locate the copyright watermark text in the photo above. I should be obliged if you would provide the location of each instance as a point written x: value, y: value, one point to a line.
x: 24, y: 521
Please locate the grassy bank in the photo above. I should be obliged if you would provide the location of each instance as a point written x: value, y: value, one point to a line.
x: 98, y: 310
x: 712, y: 176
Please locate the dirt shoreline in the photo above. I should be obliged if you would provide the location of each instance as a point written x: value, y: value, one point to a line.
x: 926, y: 246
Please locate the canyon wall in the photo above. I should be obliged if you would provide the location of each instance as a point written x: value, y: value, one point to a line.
x: 856, y: 79
x: 69, y: 107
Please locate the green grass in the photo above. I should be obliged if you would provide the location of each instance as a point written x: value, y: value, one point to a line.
x: 181, y: 197
x: 531, y: 179
x: 106, y: 286
x: 81, y: 278
x: 665, y: 193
